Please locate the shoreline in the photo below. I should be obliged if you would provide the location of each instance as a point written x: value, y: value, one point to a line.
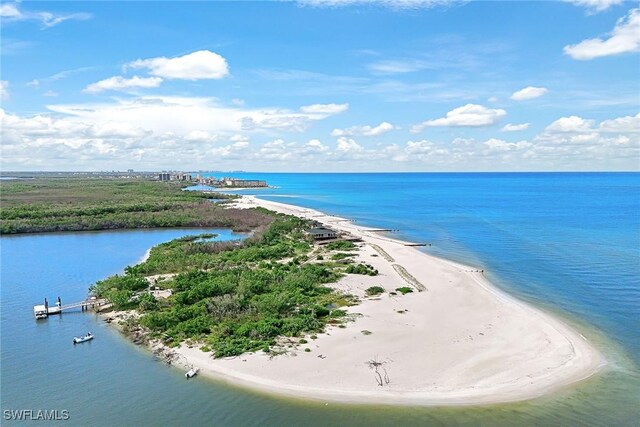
x: 462, y: 341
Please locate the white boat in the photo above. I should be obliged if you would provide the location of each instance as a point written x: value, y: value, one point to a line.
x: 40, y: 311
x: 191, y: 373
x: 88, y: 337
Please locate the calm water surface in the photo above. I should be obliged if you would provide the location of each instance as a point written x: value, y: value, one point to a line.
x: 566, y: 242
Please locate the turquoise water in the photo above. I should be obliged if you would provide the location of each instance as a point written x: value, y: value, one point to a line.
x: 567, y: 242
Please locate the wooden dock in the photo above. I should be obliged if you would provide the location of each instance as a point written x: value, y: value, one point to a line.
x: 43, y: 311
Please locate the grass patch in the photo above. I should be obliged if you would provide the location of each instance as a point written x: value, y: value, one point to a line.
x: 374, y: 290
x: 341, y: 245
x: 342, y: 255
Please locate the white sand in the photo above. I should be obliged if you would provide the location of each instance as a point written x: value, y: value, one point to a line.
x: 462, y: 341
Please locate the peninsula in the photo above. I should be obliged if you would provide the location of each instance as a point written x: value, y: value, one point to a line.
x: 400, y: 327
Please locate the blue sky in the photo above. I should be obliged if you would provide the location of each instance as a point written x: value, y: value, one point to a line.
x: 335, y: 85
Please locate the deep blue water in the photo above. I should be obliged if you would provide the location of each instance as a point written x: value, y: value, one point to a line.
x: 567, y: 242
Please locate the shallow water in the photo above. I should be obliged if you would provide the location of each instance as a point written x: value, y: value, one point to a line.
x: 568, y: 242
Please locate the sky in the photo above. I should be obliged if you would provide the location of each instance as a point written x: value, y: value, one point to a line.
x: 320, y: 85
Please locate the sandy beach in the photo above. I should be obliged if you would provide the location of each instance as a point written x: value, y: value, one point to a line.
x: 459, y: 341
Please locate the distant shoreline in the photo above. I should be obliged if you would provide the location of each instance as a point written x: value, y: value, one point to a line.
x: 460, y: 342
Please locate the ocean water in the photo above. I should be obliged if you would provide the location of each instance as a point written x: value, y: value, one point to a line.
x: 569, y: 243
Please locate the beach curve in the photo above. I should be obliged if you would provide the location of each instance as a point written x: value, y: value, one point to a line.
x: 461, y: 342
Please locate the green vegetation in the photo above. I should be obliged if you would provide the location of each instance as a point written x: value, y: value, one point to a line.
x: 404, y: 290
x: 39, y: 205
x: 364, y: 269
x: 374, y: 290
x: 234, y: 296
x: 366, y: 332
x: 341, y: 245
x: 341, y: 255
x: 230, y: 297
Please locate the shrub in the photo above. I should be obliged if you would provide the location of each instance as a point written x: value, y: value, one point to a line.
x: 147, y: 302
x: 341, y: 245
x: 374, y: 290
x: 364, y: 269
x: 404, y: 290
x: 341, y: 255
x: 338, y: 313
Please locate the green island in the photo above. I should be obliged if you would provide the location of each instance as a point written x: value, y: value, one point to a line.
x: 82, y: 204
x: 232, y: 297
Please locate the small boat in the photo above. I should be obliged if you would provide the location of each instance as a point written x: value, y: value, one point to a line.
x: 191, y: 373
x: 84, y: 338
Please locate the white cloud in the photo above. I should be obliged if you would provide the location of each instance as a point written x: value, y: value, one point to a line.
x: 348, y: 145
x: 595, y: 6
x: 34, y: 83
x: 462, y: 142
x: 398, y: 66
x: 276, y: 150
x: 570, y: 124
x: 238, y: 137
x: 314, y: 145
x: 237, y: 101
x: 493, y: 99
x: 419, y: 147
x: 624, y: 38
x: 421, y: 151
x: 275, y: 121
x: 495, y: 144
x: 515, y: 128
x: 199, y: 65
x: 613, y: 141
x: 120, y: 83
x: 11, y: 12
x: 325, y: 109
x: 468, y: 115
x: 627, y: 124
x: 382, y: 128
x: 4, y: 90
x: 181, y: 115
x: 200, y: 135
x: 164, y: 131
x: 50, y: 93
x: 529, y: 92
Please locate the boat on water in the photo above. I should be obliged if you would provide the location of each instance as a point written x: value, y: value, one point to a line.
x: 191, y: 372
x: 84, y: 338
